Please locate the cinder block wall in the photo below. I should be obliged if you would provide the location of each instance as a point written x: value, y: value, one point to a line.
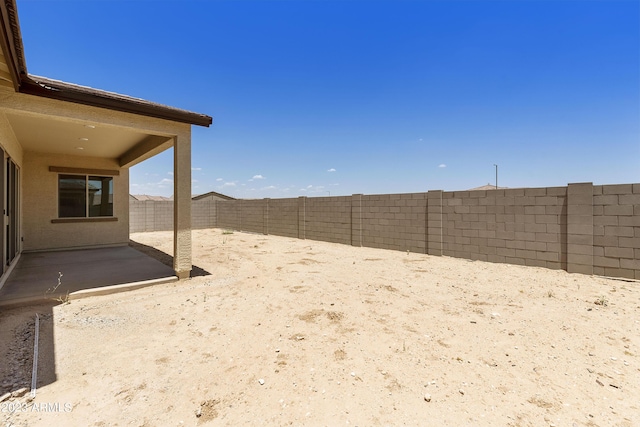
x: 327, y: 219
x: 282, y: 217
x: 580, y: 228
x: 515, y: 226
x: 150, y: 215
x: 229, y: 214
x: 203, y: 214
x: 394, y: 221
x: 137, y: 216
x: 253, y: 216
x: 616, y: 230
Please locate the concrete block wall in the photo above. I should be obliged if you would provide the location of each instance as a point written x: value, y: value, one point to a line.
x: 328, y: 219
x: 253, y: 216
x: 580, y: 228
x: 149, y: 215
x: 203, y: 214
x: 616, y: 230
x: 283, y: 217
x: 152, y: 215
x: 394, y: 221
x: 515, y: 226
x: 434, y: 239
x: 163, y: 215
x: 356, y: 220
x: 229, y: 214
x: 137, y: 216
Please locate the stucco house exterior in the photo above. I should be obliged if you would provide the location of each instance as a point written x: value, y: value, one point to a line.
x: 65, y: 154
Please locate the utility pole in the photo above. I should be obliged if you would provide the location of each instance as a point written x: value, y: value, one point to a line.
x: 496, y: 175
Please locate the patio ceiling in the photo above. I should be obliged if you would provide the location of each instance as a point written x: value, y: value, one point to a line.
x: 93, y: 132
x: 46, y: 134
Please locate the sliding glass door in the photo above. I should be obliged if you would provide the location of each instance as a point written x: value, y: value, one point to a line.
x: 10, y: 232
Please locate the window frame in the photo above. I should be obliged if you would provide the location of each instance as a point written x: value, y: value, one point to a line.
x: 87, y: 198
x: 86, y: 173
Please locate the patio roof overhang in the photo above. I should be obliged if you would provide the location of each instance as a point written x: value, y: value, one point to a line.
x: 13, y: 73
x: 50, y: 116
x: 62, y: 91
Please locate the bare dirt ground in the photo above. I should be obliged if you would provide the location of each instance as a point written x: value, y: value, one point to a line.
x: 295, y: 332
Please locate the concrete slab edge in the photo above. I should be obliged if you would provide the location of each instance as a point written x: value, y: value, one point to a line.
x: 85, y: 293
x: 108, y: 290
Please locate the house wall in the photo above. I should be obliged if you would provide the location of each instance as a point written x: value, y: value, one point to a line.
x: 8, y: 140
x: 40, y: 189
x: 13, y: 150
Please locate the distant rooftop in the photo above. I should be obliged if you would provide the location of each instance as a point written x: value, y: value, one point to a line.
x: 488, y: 187
x: 212, y: 194
x: 145, y: 197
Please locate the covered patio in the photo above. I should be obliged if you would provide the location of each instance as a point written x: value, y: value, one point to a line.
x: 58, y: 275
x: 65, y: 154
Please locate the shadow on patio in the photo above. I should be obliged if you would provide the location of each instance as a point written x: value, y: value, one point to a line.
x: 43, y: 276
x: 165, y: 258
x: 33, y: 287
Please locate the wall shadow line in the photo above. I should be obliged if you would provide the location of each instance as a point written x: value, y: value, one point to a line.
x: 165, y: 258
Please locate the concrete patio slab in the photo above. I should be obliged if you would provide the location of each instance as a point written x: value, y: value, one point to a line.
x: 84, y: 273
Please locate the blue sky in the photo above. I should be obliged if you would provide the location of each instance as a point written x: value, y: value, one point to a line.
x: 356, y: 96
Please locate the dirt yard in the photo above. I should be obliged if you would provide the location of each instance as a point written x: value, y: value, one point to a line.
x: 296, y: 332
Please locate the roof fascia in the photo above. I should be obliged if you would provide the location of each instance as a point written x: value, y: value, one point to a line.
x: 11, y: 41
x: 101, y: 99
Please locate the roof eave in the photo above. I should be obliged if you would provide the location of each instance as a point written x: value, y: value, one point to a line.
x: 23, y: 82
x: 11, y: 42
x: 96, y: 98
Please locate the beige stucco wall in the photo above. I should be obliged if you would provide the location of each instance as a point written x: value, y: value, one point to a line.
x: 8, y: 140
x: 13, y: 149
x: 39, y: 186
x: 40, y: 194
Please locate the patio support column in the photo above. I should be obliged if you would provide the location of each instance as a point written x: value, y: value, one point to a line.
x: 182, y: 204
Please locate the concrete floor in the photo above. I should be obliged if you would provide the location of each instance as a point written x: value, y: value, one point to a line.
x: 84, y: 272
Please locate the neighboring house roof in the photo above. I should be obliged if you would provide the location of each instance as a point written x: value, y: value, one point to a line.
x: 488, y: 187
x: 23, y: 82
x: 145, y: 197
x: 213, y: 194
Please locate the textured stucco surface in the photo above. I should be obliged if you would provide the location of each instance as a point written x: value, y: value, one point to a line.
x: 39, y: 186
x: 8, y: 140
x: 182, y: 205
x: 40, y: 189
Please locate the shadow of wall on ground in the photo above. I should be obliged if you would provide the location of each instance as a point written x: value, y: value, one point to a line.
x: 17, y: 339
x: 165, y: 258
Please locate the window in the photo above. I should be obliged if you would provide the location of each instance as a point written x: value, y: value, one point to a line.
x: 81, y: 196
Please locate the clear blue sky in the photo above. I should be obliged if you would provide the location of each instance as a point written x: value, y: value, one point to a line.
x: 357, y: 96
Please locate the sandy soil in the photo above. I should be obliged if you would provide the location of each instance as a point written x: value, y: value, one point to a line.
x: 292, y: 332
